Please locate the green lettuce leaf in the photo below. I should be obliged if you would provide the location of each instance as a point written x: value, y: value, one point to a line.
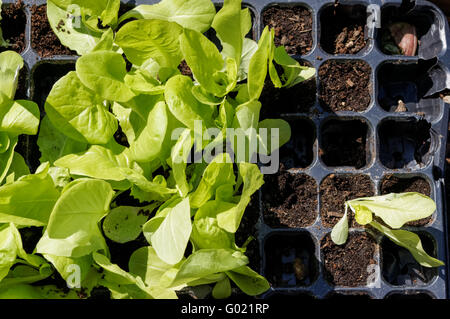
x: 78, y: 112
x: 191, y: 14
x: 410, y: 241
x: 395, y: 209
x: 73, y: 229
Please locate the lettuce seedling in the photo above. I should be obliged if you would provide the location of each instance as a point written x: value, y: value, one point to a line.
x: 200, y: 203
x: 394, y: 210
x: 16, y: 117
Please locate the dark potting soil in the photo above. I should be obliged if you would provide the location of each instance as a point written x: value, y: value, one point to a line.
x: 246, y: 229
x: 346, y: 265
x: 293, y: 28
x: 185, y: 69
x: 290, y: 259
x: 30, y: 237
x: 394, y: 184
x: 344, y: 143
x: 21, y: 92
x: 297, y: 99
x: 345, y: 86
x: 43, y: 40
x: 290, y: 200
x: 335, y: 190
x: 13, y: 26
x: 399, y: 267
x: 343, y: 29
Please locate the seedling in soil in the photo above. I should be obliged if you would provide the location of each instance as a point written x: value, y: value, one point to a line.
x: 394, y: 210
x: 137, y: 209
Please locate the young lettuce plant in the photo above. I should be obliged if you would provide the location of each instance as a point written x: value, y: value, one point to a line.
x: 16, y: 118
x: 201, y: 204
x: 395, y: 210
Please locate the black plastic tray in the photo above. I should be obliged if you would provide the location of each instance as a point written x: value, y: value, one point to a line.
x: 436, y: 112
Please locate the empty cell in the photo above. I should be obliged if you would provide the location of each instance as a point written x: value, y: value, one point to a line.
x: 44, y: 76
x: 293, y: 27
x: 13, y: 21
x: 351, y: 264
x: 291, y: 296
x: 289, y: 200
x: 409, y: 295
x: 404, y: 87
x: 354, y: 296
x: 297, y: 99
x: 417, y: 28
x: 344, y: 143
x: 345, y: 85
x: 405, y: 144
x: 336, y: 189
x: 403, y: 184
x: 299, y: 151
x: 343, y: 29
x: 399, y: 268
x: 290, y: 259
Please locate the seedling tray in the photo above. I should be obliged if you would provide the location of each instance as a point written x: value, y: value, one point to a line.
x: 410, y: 146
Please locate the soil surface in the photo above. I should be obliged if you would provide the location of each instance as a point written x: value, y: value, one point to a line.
x: 345, y: 86
x: 297, y: 99
x: 342, y: 32
x: 344, y: 143
x: 185, y: 69
x: 21, y: 92
x: 290, y: 200
x: 248, y: 228
x: 293, y: 28
x: 43, y: 40
x: 394, y: 184
x: 346, y: 265
x: 335, y: 190
x: 290, y: 260
x: 13, y: 26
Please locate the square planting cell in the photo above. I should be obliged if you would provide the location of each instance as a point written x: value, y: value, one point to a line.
x: 344, y: 143
x: 336, y: 189
x: 293, y: 27
x: 291, y: 296
x: 410, y: 295
x: 404, y: 87
x: 343, y: 29
x: 405, y: 144
x: 290, y: 259
x: 354, y: 295
x: 13, y: 21
x: 403, y: 184
x: 43, y: 40
x: 299, y: 151
x: 345, y: 85
x: 297, y: 99
x: 44, y: 76
x: 349, y: 265
x: 289, y: 200
x: 399, y: 268
x: 424, y: 22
